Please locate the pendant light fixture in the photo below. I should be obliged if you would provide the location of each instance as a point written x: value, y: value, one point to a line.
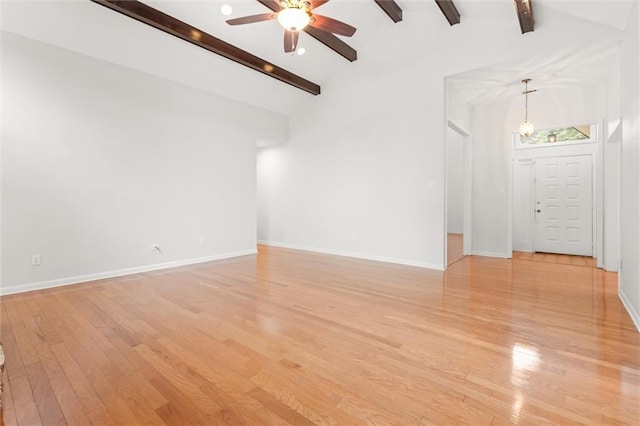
x: 526, y: 127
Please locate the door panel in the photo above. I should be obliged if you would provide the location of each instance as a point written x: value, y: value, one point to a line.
x: 563, y: 202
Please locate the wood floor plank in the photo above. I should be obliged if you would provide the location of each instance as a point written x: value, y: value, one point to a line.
x: 124, y: 380
x: 23, y: 339
x: 205, y: 405
x: 290, y: 337
x: 24, y: 402
x: 227, y: 389
x: 13, y: 357
x: 64, y: 393
x: 91, y: 402
x: 280, y: 409
x: 48, y: 407
x: 106, y: 379
x: 20, y: 353
x: 8, y: 408
x: 180, y: 407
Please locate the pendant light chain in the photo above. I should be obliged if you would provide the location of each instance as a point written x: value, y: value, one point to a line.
x: 526, y: 100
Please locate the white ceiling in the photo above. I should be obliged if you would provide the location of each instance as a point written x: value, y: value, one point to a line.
x: 564, y: 67
x: 88, y: 28
x: 567, y: 66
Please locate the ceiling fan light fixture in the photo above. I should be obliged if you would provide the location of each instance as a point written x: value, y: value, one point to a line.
x: 293, y: 19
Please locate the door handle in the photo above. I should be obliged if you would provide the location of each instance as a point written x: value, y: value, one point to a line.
x: 538, y: 211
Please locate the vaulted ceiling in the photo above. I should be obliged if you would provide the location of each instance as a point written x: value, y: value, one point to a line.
x: 564, y: 66
x: 91, y: 29
x: 586, y: 67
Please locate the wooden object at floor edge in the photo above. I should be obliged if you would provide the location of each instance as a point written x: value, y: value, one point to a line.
x: 1, y: 379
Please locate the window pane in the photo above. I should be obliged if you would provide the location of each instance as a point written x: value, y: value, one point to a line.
x: 563, y: 134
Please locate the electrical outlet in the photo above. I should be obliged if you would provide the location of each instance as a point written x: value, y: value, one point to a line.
x: 35, y: 260
x: 203, y: 242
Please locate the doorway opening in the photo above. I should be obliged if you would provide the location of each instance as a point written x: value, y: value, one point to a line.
x: 554, y: 196
x: 458, y: 195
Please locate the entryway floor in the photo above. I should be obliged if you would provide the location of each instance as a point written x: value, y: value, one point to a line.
x: 454, y: 248
x: 564, y: 259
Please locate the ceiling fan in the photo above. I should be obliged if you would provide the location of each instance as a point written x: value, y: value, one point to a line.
x: 294, y: 16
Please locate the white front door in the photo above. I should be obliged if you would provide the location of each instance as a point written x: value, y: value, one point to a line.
x: 563, y: 203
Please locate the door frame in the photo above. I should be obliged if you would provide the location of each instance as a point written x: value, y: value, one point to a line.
x: 593, y: 149
x: 467, y: 189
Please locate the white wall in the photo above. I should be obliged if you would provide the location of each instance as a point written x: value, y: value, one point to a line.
x: 611, y: 151
x: 458, y: 109
x: 523, y: 213
x: 1, y: 162
x: 363, y: 173
x: 630, y: 175
x: 612, y: 201
x: 455, y: 182
x: 492, y: 127
x: 100, y: 162
x: 268, y: 178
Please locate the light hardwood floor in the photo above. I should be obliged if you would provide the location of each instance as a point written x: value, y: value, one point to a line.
x: 454, y: 248
x: 289, y: 337
x: 555, y: 258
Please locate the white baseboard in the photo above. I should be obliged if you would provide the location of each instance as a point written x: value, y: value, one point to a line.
x: 354, y: 255
x: 635, y: 317
x: 491, y: 254
x: 21, y: 288
x: 611, y: 266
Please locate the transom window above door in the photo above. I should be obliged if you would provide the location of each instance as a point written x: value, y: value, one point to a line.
x: 584, y: 133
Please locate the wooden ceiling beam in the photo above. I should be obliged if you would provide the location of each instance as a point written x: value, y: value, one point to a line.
x: 525, y: 15
x: 449, y: 10
x: 167, y: 23
x: 324, y: 37
x: 391, y: 8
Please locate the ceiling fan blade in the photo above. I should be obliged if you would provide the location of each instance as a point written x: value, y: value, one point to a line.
x: 317, y: 3
x: 251, y: 19
x: 332, y: 42
x: 290, y: 40
x: 331, y: 25
x: 271, y: 4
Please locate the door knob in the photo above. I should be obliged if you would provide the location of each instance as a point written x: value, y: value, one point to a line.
x: 538, y: 210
